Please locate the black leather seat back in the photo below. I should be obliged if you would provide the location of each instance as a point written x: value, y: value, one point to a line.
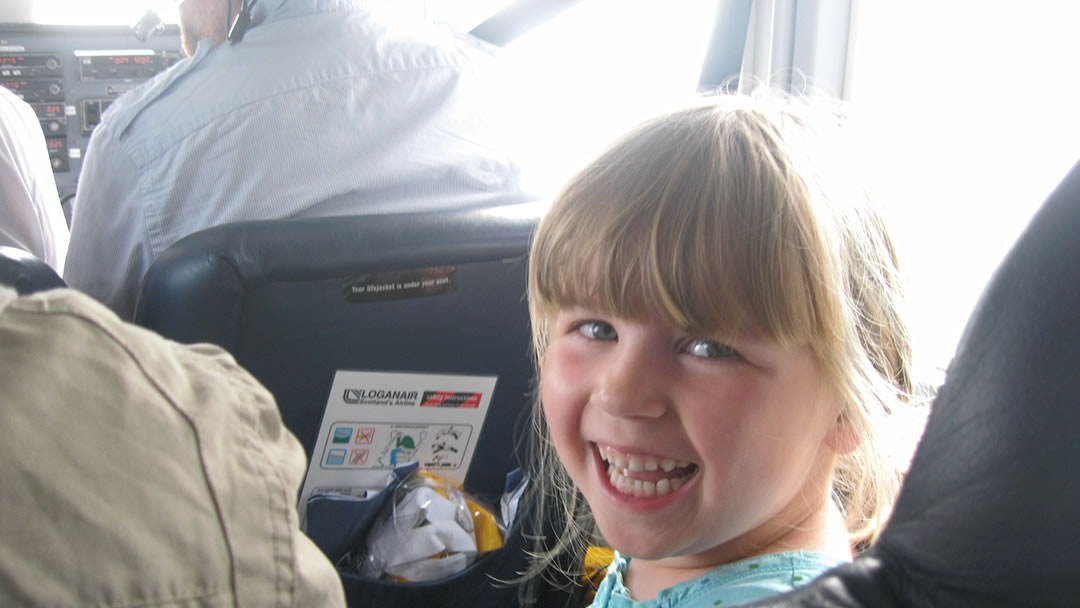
x: 25, y: 272
x: 279, y: 296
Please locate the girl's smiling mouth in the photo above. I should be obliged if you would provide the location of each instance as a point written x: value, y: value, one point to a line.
x: 641, y: 475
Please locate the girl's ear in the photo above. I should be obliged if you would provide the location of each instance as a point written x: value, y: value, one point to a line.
x: 842, y: 438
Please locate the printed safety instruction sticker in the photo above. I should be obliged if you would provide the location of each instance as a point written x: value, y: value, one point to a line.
x: 401, y: 284
x: 375, y: 421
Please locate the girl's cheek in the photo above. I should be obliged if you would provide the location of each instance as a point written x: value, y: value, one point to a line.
x: 559, y: 387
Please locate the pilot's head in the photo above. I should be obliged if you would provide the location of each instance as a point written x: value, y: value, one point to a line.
x: 206, y: 20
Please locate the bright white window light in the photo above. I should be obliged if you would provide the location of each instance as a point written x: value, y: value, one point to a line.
x: 592, y: 72
x: 103, y: 12
x: 973, y: 106
x: 463, y: 14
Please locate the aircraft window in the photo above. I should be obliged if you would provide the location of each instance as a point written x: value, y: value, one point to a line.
x: 463, y: 14
x: 977, y: 101
x: 109, y: 12
x: 590, y: 73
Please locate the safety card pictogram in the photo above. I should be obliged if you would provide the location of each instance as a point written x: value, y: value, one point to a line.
x: 375, y: 421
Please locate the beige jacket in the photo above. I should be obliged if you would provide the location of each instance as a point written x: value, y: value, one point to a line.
x: 140, y: 472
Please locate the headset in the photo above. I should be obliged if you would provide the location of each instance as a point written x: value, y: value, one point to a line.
x: 240, y: 25
x: 151, y: 23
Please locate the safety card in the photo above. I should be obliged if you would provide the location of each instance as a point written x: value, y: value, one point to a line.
x: 375, y: 421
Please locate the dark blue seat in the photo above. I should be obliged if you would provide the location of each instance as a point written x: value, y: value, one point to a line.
x: 276, y: 294
x: 26, y: 272
x: 296, y: 300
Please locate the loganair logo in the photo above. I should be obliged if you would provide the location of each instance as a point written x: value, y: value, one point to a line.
x: 379, y: 396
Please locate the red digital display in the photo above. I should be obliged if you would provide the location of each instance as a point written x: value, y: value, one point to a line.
x: 48, y: 110
x: 56, y: 144
x: 36, y: 90
x: 38, y: 60
x: 122, y: 60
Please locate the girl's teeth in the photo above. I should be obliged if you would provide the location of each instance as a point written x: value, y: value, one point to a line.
x: 637, y: 463
x: 647, y: 489
x: 618, y: 460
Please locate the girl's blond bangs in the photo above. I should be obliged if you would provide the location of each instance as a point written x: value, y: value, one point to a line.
x: 672, y: 225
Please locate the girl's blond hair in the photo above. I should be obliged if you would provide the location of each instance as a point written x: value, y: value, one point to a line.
x: 738, y: 208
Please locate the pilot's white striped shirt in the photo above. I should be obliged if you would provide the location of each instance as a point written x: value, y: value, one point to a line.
x: 321, y: 98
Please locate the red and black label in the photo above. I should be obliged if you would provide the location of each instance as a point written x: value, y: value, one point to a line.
x: 450, y: 399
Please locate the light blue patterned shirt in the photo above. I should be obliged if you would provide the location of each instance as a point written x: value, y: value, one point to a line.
x: 321, y: 98
x: 729, y: 585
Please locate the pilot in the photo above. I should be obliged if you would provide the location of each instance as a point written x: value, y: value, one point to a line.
x: 31, y: 218
x: 302, y: 108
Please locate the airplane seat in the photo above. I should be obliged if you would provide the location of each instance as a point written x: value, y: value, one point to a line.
x: 26, y: 272
x: 987, y: 514
x: 295, y: 300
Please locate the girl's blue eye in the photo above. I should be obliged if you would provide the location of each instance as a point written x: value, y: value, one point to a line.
x: 708, y: 349
x: 597, y: 330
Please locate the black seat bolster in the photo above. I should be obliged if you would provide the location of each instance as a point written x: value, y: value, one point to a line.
x: 25, y: 272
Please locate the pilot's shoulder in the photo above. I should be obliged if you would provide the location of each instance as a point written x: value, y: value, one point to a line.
x: 129, y: 106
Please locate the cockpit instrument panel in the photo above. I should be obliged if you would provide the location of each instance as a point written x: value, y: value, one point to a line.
x: 70, y: 75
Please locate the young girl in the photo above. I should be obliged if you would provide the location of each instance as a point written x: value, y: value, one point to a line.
x: 715, y: 318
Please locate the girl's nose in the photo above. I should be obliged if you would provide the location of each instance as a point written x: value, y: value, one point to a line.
x: 632, y: 385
